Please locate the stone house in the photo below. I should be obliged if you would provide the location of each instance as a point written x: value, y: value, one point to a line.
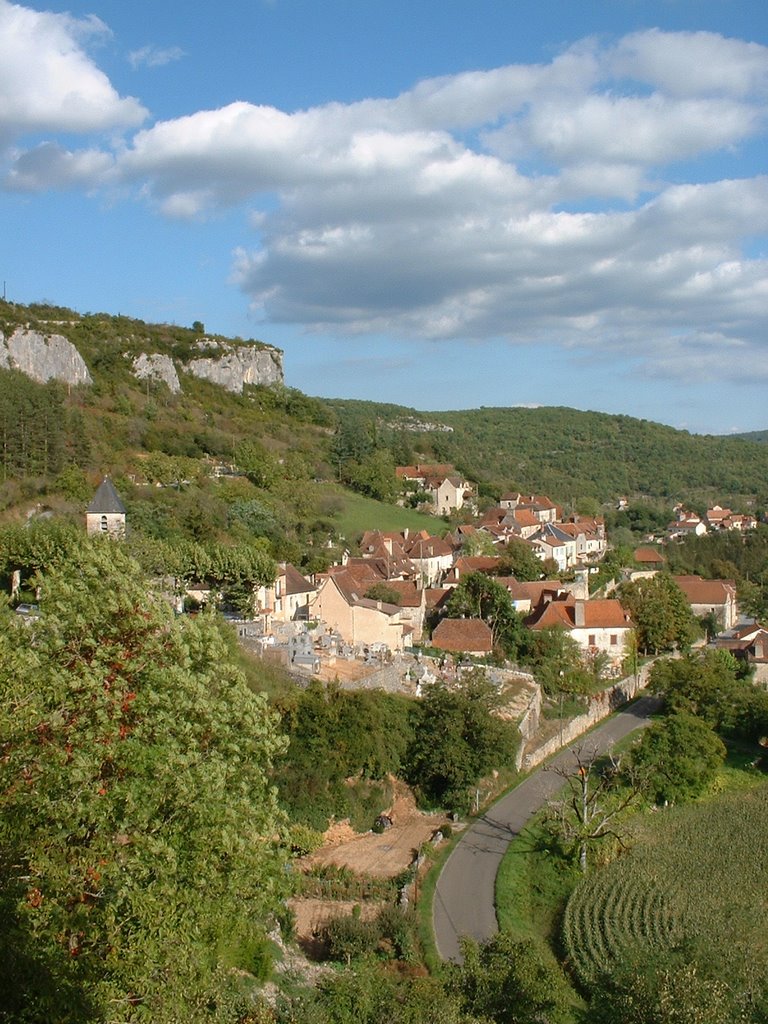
x: 432, y: 557
x: 596, y: 626
x: 287, y: 599
x: 711, y: 597
x: 463, y: 636
x: 341, y: 605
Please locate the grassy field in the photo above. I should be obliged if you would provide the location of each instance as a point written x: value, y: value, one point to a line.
x: 352, y: 514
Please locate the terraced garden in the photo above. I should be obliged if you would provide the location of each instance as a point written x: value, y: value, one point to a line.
x: 696, y: 874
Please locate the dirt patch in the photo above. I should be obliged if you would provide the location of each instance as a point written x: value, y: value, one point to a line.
x: 381, y: 855
x: 313, y: 915
x: 345, y: 670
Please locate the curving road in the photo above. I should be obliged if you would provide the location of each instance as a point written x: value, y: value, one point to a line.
x: 464, y: 896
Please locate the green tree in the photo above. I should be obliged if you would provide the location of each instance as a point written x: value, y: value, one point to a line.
x: 681, y: 756
x: 518, y: 560
x: 511, y: 981
x: 138, y: 862
x: 480, y: 543
x: 706, y: 685
x: 375, y: 476
x: 458, y: 739
x: 662, y: 616
x: 479, y: 596
x: 258, y: 464
x: 383, y: 592
x: 557, y: 663
x: 669, y: 989
x: 597, y: 792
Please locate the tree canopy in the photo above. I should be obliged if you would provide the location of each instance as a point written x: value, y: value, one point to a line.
x: 663, y: 618
x: 138, y: 862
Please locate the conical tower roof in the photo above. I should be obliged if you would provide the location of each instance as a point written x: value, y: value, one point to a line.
x: 106, y: 500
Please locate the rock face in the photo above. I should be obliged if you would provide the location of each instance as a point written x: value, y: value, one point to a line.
x: 232, y: 366
x: 46, y: 357
x: 157, y: 367
x: 43, y: 357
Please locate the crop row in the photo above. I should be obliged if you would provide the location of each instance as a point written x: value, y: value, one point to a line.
x: 698, y: 872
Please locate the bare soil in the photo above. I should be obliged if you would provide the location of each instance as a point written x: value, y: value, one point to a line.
x: 381, y: 855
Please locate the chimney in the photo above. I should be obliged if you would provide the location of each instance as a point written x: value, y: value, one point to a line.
x: 579, y: 618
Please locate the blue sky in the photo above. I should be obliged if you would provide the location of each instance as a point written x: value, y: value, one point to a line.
x: 440, y: 203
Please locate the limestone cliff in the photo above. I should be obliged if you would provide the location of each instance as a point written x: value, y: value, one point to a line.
x: 43, y: 357
x: 231, y: 365
x: 157, y: 367
x: 234, y: 366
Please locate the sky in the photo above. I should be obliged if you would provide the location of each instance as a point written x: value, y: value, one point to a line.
x: 444, y: 204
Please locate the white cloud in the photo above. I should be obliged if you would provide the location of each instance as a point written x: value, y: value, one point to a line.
x: 531, y: 202
x: 50, y: 166
x: 47, y: 81
x: 154, y: 56
x: 693, y: 63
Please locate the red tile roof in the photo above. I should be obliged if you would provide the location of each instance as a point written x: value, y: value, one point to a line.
x: 463, y: 635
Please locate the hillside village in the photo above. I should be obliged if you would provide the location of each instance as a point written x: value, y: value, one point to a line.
x: 386, y: 605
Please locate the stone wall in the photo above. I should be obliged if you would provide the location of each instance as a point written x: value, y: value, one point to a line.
x: 600, y: 706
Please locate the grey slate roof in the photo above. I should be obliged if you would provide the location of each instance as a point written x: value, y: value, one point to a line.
x: 106, y: 500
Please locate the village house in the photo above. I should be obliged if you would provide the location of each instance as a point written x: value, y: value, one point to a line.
x: 526, y: 596
x: 719, y: 518
x: 748, y: 644
x: 539, y: 505
x: 463, y: 636
x: 106, y: 513
x: 412, y: 600
x: 389, y: 550
x: 561, y: 547
x: 464, y: 564
x: 589, y: 534
x: 599, y: 626
x: 521, y: 523
x: 710, y: 597
x: 286, y: 599
x: 341, y: 605
x: 685, y: 524
x: 649, y: 560
x: 431, y: 558
x: 448, y: 490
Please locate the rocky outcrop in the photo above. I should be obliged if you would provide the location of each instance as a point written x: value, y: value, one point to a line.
x: 43, y: 357
x: 231, y: 365
x: 157, y: 367
x: 234, y: 366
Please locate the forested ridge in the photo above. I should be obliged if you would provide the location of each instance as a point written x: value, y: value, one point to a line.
x: 569, y: 454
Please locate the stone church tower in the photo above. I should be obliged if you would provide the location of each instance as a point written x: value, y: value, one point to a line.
x: 106, y: 512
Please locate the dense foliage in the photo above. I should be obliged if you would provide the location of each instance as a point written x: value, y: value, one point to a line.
x: 337, y: 736
x: 138, y: 866
x: 457, y: 740
x: 568, y: 454
x: 661, y: 614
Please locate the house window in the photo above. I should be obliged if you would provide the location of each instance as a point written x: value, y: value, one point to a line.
x: 104, y: 525
x: 614, y: 639
x: 592, y: 640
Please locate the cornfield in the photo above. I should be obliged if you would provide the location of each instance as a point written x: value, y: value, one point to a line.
x: 695, y: 874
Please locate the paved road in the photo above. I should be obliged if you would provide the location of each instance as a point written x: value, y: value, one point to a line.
x: 464, y: 895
